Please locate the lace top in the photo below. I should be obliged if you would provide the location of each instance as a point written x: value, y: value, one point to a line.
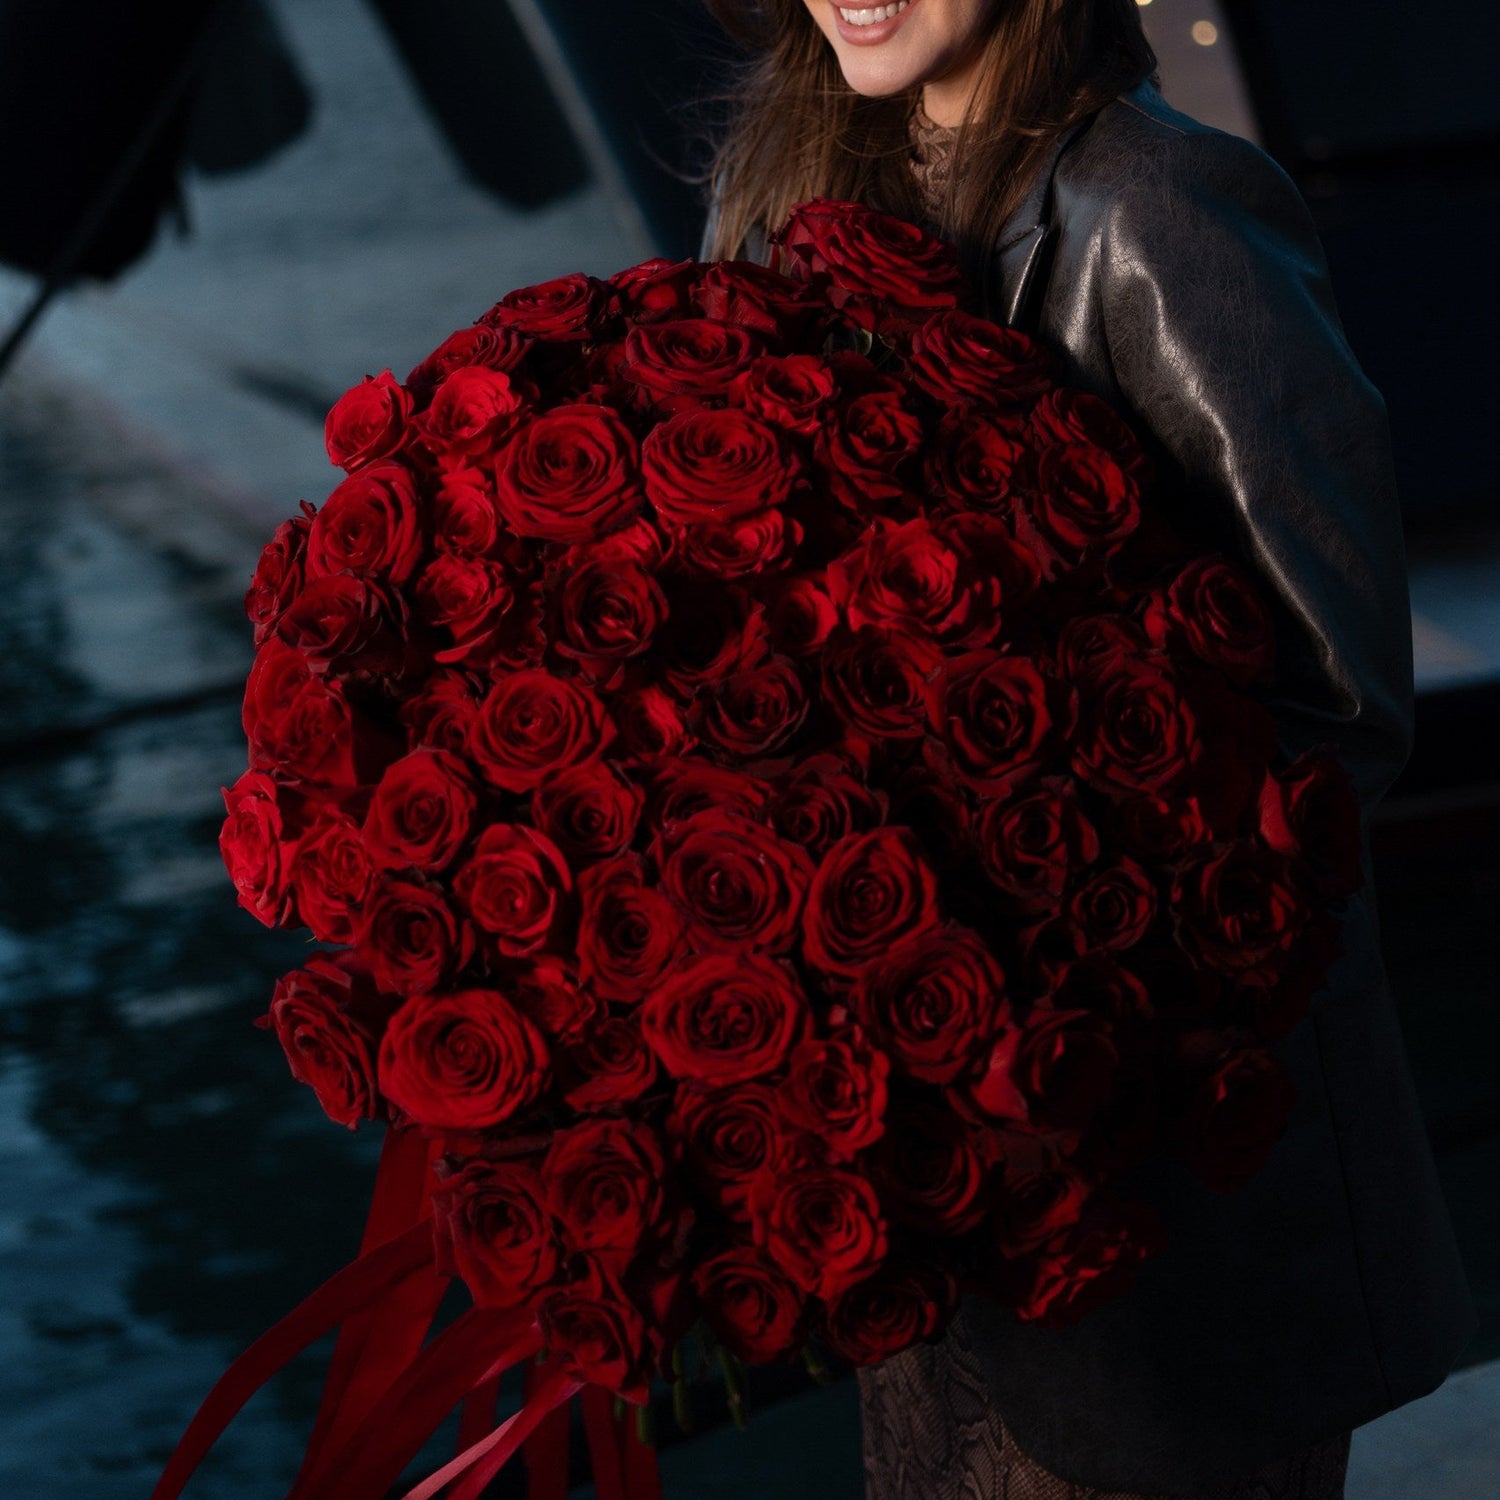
x: 931, y: 159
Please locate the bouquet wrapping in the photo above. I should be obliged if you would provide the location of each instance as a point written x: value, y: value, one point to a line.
x: 789, y: 821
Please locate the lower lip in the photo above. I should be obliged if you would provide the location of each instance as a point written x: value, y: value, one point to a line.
x: 873, y: 35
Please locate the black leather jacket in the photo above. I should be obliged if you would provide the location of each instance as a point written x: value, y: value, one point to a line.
x: 1177, y: 270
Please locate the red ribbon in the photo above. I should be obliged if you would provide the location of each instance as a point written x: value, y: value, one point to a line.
x: 546, y: 1449
x: 343, y: 1295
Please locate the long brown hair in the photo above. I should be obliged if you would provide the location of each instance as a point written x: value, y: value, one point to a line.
x: 797, y: 130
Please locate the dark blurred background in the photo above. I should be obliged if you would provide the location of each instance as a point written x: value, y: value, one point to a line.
x: 219, y: 215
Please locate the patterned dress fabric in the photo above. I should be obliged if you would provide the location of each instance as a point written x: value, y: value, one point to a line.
x: 930, y: 1431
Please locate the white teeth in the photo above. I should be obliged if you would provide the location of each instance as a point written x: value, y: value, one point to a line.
x: 871, y: 14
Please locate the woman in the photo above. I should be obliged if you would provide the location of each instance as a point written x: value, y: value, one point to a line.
x: 1176, y: 269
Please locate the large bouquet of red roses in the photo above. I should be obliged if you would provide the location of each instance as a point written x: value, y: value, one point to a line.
x: 793, y: 822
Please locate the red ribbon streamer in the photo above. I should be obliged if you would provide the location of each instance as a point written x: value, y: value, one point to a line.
x: 546, y: 1450
x: 344, y: 1294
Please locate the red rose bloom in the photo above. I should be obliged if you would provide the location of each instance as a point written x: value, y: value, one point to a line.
x: 608, y: 609
x: 1113, y: 908
x: 1087, y: 1264
x: 657, y: 289
x: 791, y: 391
x: 756, y: 1313
x: 341, y: 623
x: 725, y: 1137
x: 628, y: 931
x: 278, y: 577
x: 1033, y: 845
x: 973, y: 462
x: 725, y: 1018
x: 326, y: 1017
x: 902, y: 1304
x: 871, y: 891
x: 600, y: 1336
x: 298, y: 723
x: 929, y: 1172
x: 548, y: 994
x: 331, y: 873
x: 884, y: 683
x: 1237, y: 1101
x: 368, y: 526
x: 588, y: 811
x: 1137, y: 730
x: 865, y: 446
x: 493, y: 1229
x: 1035, y: 1201
x: 608, y: 1067
x: 1002, y: 716
x: 464, y: 519
x: 465, y: 1062
x: 800, y: 616
x: 494, y: 348
x: 367, y: 422
x: 563, y: 310
x: 1069, y: 416
x: 532, y: 723
x: 744, y: 547
x: 472, y: 600
x: 252, y: 844
x: 933, y: 1001
x: 753, y: 296
x: 421, y: 812
x: 709, y: 465
x: 739, y: 885
x: 1083, y: 504
x: 822, y: 1225
x: 440, y: 714
x: 411, y: 937
x: 569, y: 474
x: 835, y: 1088
x: 516, y: 886
x: 819, y: 801
x: 1310, y: 812
x: 1213, y: 605
x: 470, y: 411
x: 959, y: 359
x: 1055, y: 1070
x: 604, y: 1184
x: 687, y: 361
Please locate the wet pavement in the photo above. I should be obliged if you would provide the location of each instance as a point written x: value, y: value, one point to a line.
x: 166, y: 1189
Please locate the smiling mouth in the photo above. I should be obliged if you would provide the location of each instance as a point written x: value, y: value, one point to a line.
x: 871, y: 15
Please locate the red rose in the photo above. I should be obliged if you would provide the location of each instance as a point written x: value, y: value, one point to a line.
x: 608, y: 609
x: 684, y: 362
x: 441, y: 713
x: 532, y: 723
x: 569, y: 474
x: 473, y: 601
x: 754, y: 713
x: 1088, y: 644
x: 1215, y: 607
x: 566, y: 309
x: 278, y: 577
x: 737, y: 882
x: 1087, y: 1264
x: 878, y: 266
x: 651, y: 724
x: 757, y: 543
x: 628, y: 932
x: 820, y: 800
x: 494, y: 348
x: 929, y: 1172
x: 326, y: 1017
x: 800, y: 615
x: 253, y: 843
x: 958, y: 358
x: 1071, y: 416
x: 1238, y: 911
x: 466, y: 1061
x: 299, y: 724
x: 791, y: 391
x: 464, y: 518
x: 331, y: 873
x: 609, y: 1066
x: 548, y: 994
x: 367, y: 422
x: 1034, y: 845
x: 1055, y: 1070
x: 708, y: 465
x: 421, y: 812
x: 1236, y: 1102
x: 725, y: 1018
x: 492, y: 1228
x: 726, y: 1136
x: 865, y: 447
x: 657, y: 289
x: 411, y: 936
x: 1035, y: 1201
x: 1310, y: 811
x: 1082, y: 506
x: 342, y: 623
x: 587, y: 811
x: 1158, y: 830
x: 821, y: 1225
x: 1002, y: 716
x: 517, y: 887
x: 600, y: 1336
x: 885, y: 683
x: 973, y: 462
x: 835, y: 1088
x: 368, y: 526
x: 756, y: 1313
x: 604, y: 1183
x: 1138, y: 732
x: 472, y: 410
x: 680, y: 789
x: 1113, y: 908
x: 902, y: 1304
x: 764, y: 301
x: 870, y: 891
x: 933, y: 1002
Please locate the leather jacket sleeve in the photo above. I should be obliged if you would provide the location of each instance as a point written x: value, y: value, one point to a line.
x: 1224, y: 338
